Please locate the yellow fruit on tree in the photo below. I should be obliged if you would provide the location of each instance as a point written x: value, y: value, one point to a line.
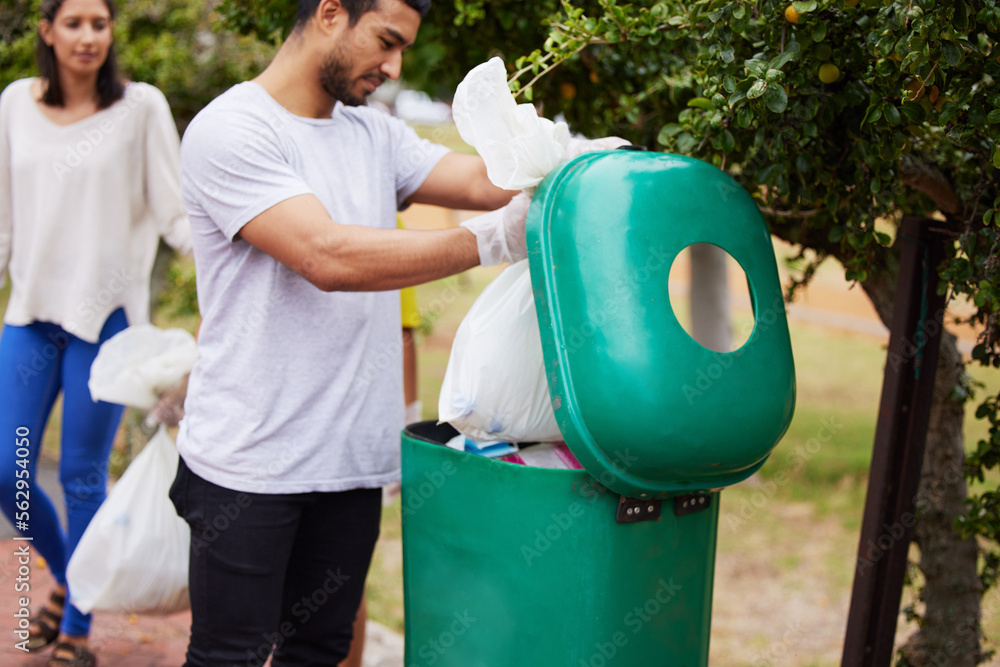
x: 828, y: 72
x: 791, y: 15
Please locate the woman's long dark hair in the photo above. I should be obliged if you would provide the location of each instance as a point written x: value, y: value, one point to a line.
x: 109, y: 85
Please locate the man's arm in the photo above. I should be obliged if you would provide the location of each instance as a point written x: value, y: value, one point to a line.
x: 460, y: 181
x: 300, y: 234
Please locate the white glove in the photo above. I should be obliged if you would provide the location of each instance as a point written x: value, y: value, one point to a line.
x: 500, y: 233
x: 579, y: 146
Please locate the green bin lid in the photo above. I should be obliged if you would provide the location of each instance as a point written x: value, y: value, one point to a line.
x: 646, y: 409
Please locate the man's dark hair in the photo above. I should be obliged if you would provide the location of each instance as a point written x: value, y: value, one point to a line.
x: 109, y: 85
x: 355, y: 9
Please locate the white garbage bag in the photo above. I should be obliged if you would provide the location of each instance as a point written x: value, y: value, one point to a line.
x: 133, y: 557
x: 518, y: 146
x: 134, y: 366
x: 494, y: 387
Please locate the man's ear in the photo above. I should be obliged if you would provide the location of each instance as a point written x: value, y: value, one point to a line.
x: 329, y: 13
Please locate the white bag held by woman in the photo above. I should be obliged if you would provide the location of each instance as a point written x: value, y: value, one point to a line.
x: 133, y: 557
x: 495, y: 386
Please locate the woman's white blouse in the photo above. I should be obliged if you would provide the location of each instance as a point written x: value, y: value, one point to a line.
x: 82, y: 205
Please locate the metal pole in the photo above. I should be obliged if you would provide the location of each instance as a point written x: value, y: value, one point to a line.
x: 898, y: 451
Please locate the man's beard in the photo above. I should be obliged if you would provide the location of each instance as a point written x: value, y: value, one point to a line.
x: 335, y: 79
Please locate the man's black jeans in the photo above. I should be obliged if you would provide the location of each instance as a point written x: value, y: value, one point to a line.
x: 281, y: 572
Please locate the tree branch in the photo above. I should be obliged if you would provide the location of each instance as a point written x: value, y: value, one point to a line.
x: 932, y: 182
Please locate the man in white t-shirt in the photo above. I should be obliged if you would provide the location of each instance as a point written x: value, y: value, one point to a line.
x: 294, y: 408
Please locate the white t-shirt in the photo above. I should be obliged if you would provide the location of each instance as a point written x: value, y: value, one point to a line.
x: 81, y: 206
x: 296, y: 389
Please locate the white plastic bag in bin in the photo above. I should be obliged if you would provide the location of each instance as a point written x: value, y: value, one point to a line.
x: 518, y: 146
x: 133, y: 557
x: 134, y: 366
x: 494, y: 387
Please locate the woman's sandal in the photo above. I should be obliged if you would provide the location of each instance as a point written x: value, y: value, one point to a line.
x: 72, y: 655
x: 47, y: 622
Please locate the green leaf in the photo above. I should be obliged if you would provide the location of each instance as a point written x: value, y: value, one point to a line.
x: 728, y: 142
x: 993, y: 116
x: 729, y: 83
x: 803, y: 7
x: 952, y: 54
x: 739, y: 12
x: 736, y: 97
x: 700, y: 103
x: 669, y: 130
x: 891, y: 113
x: 779, y: 61
x: 744, y: 117
x: 686, y: 142
x: 775, y: 98
x: 757, y: 89
x: 755, y: 67
x: 819, y: 32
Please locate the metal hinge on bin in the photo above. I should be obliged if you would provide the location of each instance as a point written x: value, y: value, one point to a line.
x: 632, y: 510
x: 693, y: 502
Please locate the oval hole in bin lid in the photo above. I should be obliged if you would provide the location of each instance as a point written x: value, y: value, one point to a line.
x: 683, y: 291
x: 646, y: 409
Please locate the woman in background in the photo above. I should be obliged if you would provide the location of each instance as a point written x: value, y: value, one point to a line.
x: 89, y: 179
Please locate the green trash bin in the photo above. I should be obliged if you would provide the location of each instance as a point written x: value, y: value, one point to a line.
x: 508, y: 565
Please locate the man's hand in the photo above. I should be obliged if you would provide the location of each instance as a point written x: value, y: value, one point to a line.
x: 500, y: 234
